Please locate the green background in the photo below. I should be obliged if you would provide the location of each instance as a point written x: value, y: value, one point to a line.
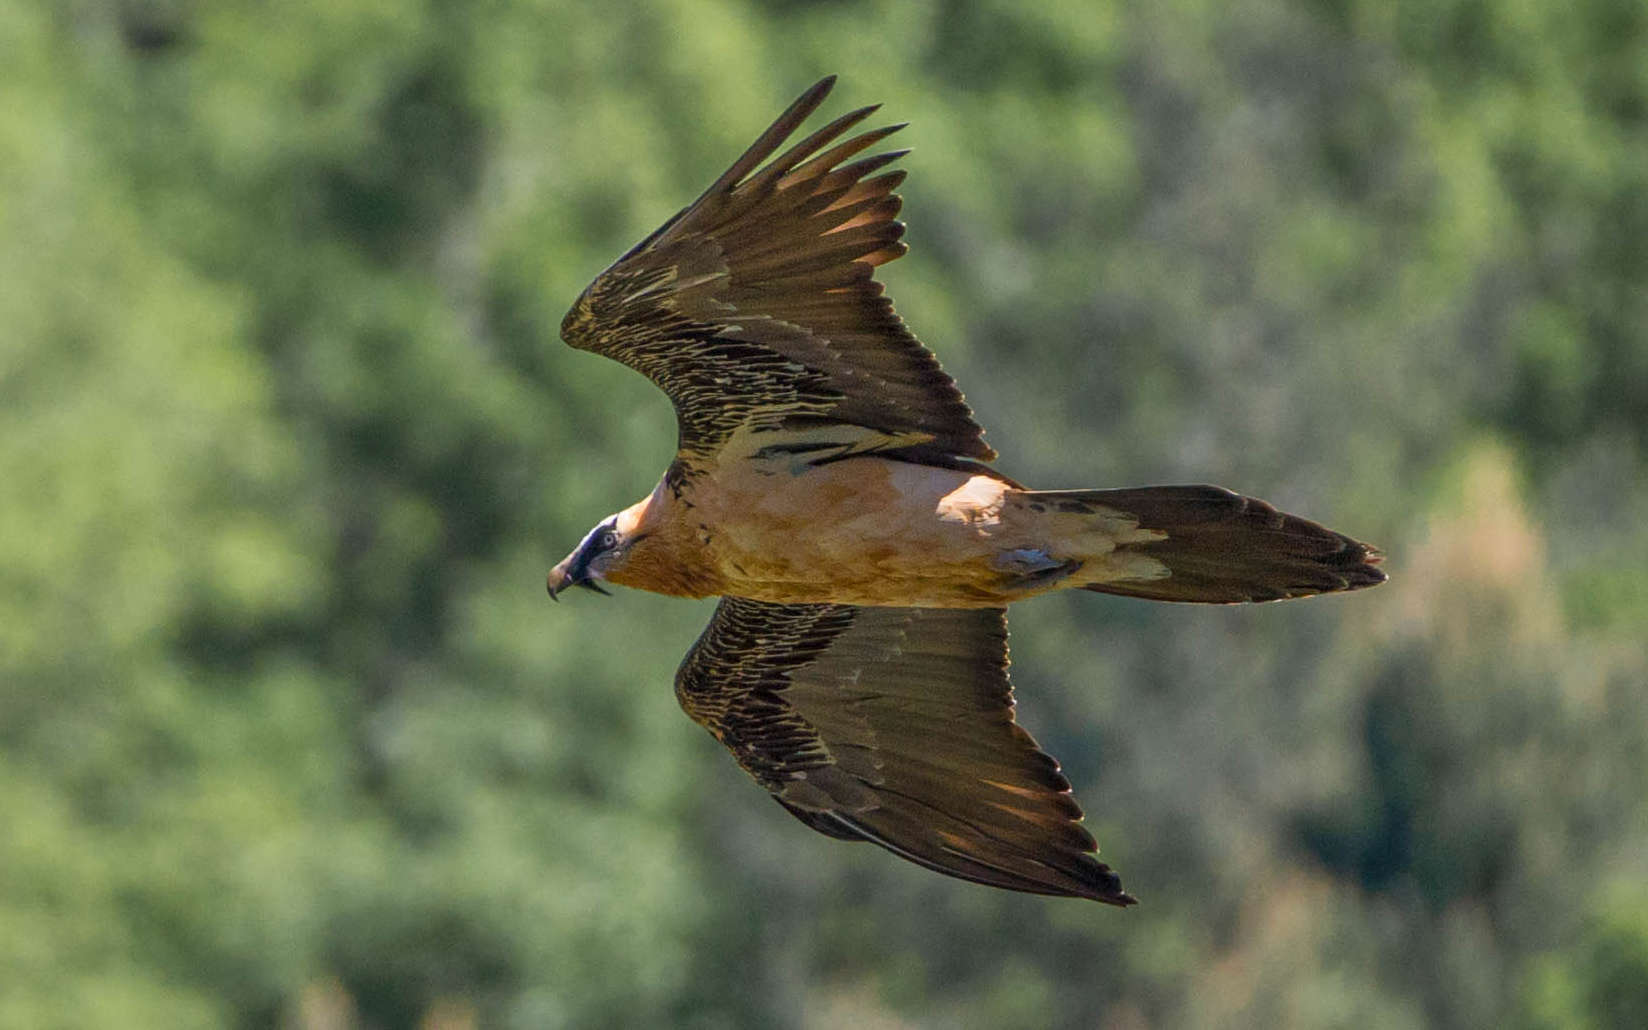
x: 291, y: 736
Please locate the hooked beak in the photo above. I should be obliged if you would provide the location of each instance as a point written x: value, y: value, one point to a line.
x: 569, y: 574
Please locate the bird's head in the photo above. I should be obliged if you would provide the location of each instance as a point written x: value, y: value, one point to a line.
x: 601, y: 553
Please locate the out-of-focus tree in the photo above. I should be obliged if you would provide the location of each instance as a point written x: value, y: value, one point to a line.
x: 288, y: 733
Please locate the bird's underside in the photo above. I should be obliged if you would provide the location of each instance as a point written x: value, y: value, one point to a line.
x: 832, y: 486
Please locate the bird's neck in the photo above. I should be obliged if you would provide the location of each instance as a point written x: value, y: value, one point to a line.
x: 665, y: 558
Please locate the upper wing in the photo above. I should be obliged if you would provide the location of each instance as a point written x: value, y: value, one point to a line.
x: 894, y: 725
x: 755, y: 309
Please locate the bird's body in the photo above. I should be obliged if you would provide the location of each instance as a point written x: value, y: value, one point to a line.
x: 861, y: 530
x: 874, y: 531
x: 832, y: 488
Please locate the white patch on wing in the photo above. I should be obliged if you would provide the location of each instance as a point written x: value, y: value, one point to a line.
x: 976, y: 501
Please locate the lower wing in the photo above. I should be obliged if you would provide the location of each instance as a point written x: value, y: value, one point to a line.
x: 894, y: 725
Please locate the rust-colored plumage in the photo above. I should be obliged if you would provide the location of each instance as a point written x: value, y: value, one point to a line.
x: 831, y: 485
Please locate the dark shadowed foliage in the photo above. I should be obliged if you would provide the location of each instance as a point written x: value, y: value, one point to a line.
x: 289, y: 734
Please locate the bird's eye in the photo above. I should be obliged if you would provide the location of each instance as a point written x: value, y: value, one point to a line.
x: 608, y: 540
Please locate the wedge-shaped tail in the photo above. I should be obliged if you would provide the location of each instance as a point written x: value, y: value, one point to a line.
x: 1214, y: 546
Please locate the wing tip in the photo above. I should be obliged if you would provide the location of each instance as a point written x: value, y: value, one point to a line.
x: 1100, y: 883
x: 813, y: 95
x: 804, y: 105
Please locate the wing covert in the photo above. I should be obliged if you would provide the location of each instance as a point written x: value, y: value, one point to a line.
x: 894, y: 725
x: 756, y: 310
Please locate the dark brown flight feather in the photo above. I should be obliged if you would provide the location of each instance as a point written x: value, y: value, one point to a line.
x: 894, y: 725
x: 755, y: 308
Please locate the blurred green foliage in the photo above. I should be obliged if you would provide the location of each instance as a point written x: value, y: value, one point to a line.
x: 289, y: 734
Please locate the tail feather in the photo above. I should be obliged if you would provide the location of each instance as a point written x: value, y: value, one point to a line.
x: 1220, y: 547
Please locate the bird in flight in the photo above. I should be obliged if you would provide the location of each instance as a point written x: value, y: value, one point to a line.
x: 833, y: 489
